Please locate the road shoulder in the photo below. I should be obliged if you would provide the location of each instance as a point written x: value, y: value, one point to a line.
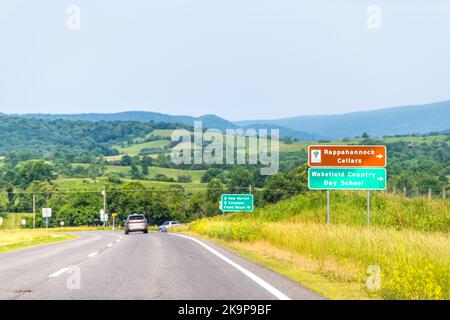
x: 289, y: 287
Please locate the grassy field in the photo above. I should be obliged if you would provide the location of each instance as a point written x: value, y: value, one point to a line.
x: 300, y: 145
x: 134, y: 149
x: 408, y: 242
x: 21, y: 238
x: 284, y: 147
x: 196, y: 175
x: 119, y: 157
x: 89, y: 184
x: 162, y: 133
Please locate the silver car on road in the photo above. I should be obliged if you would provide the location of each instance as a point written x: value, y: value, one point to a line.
x: 136, y: 222
x: 166, y: 225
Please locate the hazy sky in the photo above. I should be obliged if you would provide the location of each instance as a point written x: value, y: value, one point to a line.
x: 240, y: 59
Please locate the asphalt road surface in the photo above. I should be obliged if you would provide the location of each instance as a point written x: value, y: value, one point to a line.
x: 110, y: 265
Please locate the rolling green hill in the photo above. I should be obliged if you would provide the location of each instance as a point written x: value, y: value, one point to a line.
x: 44, y: 137
x: 209, y: 121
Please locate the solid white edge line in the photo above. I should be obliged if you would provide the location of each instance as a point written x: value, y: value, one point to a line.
x: 277, y: 293
x: 58, y: 273
x: 93, y: 254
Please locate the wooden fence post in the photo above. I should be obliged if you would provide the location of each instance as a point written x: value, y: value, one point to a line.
x: 429, y: 194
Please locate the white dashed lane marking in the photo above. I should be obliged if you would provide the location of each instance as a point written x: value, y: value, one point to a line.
x: 93, y: 254
x: 58, y: 273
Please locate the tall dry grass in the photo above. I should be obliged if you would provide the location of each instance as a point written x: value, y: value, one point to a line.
x: 414, y: 264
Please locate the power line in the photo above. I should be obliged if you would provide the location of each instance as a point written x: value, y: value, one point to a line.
x: 120, y: 190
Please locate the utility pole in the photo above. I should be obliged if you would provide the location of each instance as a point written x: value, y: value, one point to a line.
x: 104, y: 204
x: 34, y: 211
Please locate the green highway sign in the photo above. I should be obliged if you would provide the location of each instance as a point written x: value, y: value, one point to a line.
x: 347, y: 178
x: 236, y: 202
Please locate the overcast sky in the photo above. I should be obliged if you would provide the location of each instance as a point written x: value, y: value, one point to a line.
x: 240, y: 59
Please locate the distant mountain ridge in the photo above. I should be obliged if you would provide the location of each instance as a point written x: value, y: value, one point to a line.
x: 381, y: 122
x: 208, y: 121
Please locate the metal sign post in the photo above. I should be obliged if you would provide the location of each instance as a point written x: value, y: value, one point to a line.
x: 46, y: 213
x: 328, y: 207
x: 368, y: 208
x: 114, y: 220
x: 34, y: 211
x: 102, y: 217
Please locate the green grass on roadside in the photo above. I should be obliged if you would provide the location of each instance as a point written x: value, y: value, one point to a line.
x: 83, y: 228
x: 333, y: 259
x: 349, y: 207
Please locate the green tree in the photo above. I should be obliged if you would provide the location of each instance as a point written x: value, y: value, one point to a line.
x: 33, y: 170
x: 214, y: 190
x: 285, y: 185
x: 240, y: 180
x: 184, y: 178
x: 145, y: 163
x: 135, y: 173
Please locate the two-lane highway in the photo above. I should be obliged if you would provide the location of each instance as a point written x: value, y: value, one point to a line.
x: 110, y: 265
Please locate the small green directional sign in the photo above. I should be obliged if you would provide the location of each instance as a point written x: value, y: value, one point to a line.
x: 236, y: 202
x: 347, y: 178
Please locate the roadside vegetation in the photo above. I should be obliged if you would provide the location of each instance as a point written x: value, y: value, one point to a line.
x: 71, y: 182
x: 14, y: 239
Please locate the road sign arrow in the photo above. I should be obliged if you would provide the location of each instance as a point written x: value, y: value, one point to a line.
x: 365, y: 156
x: 380, y: 179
